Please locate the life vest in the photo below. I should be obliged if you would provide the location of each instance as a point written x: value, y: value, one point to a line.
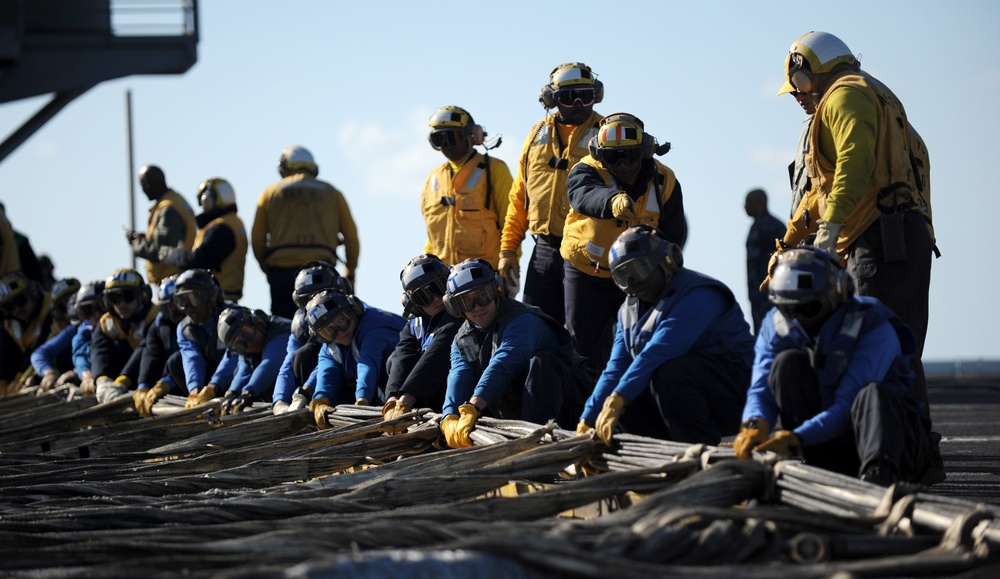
x: 230, y: 272
x: 587, y: 240
x: 460, y: 211
x: 830, y: 354
x: 730, y: 334
x: 171, y: 199
x: 893, y: 184
x: 133, y: 332
x: 469, y: 339
x: 544, y: 167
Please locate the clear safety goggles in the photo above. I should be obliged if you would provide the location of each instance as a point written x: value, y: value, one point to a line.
x: 329, y: 331
x: 470, y: 300
x: 634, y: 272
x: 189, y: 299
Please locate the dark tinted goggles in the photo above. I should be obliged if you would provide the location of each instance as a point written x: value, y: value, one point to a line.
x: 612, y: 157
x: 15, y: 303
x: 634, y: 272
x: 86, y: 311
x: 423, y: 296
x: 121, y: 296
x: 569, y: 96
x: 241, y: 342
x: 447, y: 138
x: 470, y: 300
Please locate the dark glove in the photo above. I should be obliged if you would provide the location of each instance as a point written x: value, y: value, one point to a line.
x: 243, y: 402
x: 227, y: 402
x: 783, y: 442
x: 752, y: 433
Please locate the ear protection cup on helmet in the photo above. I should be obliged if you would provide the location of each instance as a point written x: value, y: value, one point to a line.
x: 475, y: 134
x: 799, y: 75
x: 548, y: 93
x: 357, y: 306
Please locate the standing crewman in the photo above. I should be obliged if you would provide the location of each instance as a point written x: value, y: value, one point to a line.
x: 760, y: 243
x: 538, y: 201
x: 221, y: 243
x: 464, y: 200
x: 10, y: 260
x: 615, y: 187
x: 834, y: 368
x: 171, y: 224
x: 873, y: 206
x: 300, y: 219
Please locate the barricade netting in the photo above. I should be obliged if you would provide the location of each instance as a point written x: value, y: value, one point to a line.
x: 90, y: 489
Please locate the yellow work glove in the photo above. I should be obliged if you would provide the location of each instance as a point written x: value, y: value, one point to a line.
x: 204, y: 395
x: 467, y: 417
x: 192, y: 401
x: 319, y: 407
x: 826, y: 236
x: 159, y: 390
x: 448, y: 425
x: 511, y: 270
x: 622, y: 207
x: 583, y: 428
x: 49, y: 380
x: 614, y: 407
x: 394, y: 409
x: 68, y: 377
x: 783, y: 442
x: 361, y: 402
x: 779, y: 246
x: 88, y: 386
x: 752, y: 433
x: 138, y: 399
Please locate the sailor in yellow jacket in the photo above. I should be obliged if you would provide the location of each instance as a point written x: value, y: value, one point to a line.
x: 538, y: 201
x: 464, y: 201
x: 300, y: 219
x: 864, y: 164
x: 617, y: 186
x: 171, y: 224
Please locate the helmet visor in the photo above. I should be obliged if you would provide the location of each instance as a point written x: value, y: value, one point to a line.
x: 86, y: 311
x: 569, y: 96
x: 447, y: 137
x: 470, y: 300
x: 634, y: 272
x: 242, y: 340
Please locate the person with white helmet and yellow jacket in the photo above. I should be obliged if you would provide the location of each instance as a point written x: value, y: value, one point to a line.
x: 618, y: 185
x: 300, y: 219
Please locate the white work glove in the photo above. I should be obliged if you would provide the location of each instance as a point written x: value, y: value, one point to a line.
x: 826, y: 236
x: 299, y: 401
x: 279, y: 407
x: 511, y: 270
x: 108, y: 390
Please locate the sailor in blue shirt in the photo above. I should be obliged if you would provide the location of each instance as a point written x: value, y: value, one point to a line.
x: 682, y: 352
x: 508, y: 359
x: 259, y: 340
x: 359, y: 339
x: 834, y: 367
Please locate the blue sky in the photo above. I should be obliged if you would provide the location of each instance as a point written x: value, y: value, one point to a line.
x: 355, y: 83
